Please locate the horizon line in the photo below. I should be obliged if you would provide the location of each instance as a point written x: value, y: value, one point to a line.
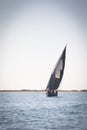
x: 39, y: 90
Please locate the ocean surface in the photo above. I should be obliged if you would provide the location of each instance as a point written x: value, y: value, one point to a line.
x: 35, y: 111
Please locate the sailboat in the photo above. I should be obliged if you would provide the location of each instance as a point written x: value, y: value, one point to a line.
x: 56, y: 76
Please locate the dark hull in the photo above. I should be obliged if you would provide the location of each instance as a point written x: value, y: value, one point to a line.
x: 51, y: 94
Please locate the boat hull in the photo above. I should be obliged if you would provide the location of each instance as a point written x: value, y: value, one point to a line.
x: 51, y: 94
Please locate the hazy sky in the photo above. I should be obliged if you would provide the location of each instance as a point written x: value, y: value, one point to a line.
x: 33, y: 34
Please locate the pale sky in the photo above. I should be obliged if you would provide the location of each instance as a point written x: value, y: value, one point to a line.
x: 33, y: 34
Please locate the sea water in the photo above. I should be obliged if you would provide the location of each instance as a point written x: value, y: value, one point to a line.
x: 35, y: 111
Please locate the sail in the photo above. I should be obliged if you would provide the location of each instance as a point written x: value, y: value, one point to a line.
x: 57, y: 74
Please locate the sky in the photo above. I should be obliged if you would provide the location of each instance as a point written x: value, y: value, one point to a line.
x: 33, y: 34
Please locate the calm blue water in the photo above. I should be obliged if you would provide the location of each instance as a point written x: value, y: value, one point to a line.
x: 35, y: 111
